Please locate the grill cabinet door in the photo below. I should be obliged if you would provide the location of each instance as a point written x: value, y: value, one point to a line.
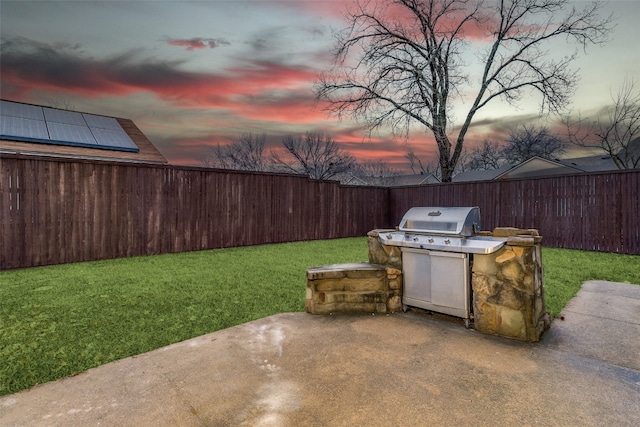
x: 449, y: 280
x: 436, y: 281
x: 416, y: 269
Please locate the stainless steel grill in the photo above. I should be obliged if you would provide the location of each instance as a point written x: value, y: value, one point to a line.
x: 437, y: 245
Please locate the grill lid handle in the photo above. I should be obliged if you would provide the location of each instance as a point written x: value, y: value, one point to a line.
x: 434, y: 213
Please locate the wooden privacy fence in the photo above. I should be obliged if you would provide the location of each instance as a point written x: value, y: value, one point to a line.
x: 59, y: 210
x: 598, y: 212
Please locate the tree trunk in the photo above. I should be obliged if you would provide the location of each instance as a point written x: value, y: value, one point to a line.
x: 444, y: 150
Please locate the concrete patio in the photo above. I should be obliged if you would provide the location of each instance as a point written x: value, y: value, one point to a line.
x: 410, y: 369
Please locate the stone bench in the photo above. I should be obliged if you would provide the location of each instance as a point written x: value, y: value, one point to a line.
x: 353, y: 288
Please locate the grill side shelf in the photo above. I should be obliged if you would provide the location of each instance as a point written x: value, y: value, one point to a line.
x: 472, y: 245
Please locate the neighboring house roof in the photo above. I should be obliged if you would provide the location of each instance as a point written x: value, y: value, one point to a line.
x: 630, y: 155
x: 349, y: 179
x: 598, y: 163
x: 415, y: 179
x: 481, y: 175
x: 537, y: 167
x: 634, y: 147
x: 390, y: 181
x: 36, y: 130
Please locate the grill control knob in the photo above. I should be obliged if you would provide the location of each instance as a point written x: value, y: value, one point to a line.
x: 415, y: 238
x: 389, y: 236
x: 431, y: 240
x: 447, y: 241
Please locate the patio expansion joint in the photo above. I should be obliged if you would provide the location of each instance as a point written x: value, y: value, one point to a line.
x: 599, y: 317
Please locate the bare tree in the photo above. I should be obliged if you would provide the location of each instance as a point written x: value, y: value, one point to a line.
x: 617, y: 131
x: 246, y: 153
x: 375, y: 173
x: 487, y: 156
x: 463, y: 162
x: 529, y: 141
x: 523, y: 143
x: 402, y: 62
x: 60, y: 102
x: 315, y: 154
x: 415, y: 162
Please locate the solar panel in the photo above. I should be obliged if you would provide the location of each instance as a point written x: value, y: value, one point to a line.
x: 25, y: 111
x: 62, y: 116
x: 102, y: 122
x: 113, y: 138
x: 31, y: 123
x: 24, y: 128
x: 70, y: 133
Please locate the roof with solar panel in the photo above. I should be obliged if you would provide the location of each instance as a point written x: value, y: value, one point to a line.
x: 33, y: 129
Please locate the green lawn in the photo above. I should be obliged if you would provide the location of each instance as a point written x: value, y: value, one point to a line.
x: 60, y: 320
x: 565, y: 270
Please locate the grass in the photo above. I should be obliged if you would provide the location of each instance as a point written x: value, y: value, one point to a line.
x: 565, y: 270
x: 60, y: 320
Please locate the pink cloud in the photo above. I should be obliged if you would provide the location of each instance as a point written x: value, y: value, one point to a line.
x: 396, y: 13
x: 42, y: 67
x: 333, y: 8
x: 295, y: 106
x: 198, y: 43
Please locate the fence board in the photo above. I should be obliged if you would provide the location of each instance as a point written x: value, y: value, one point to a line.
x: 61, y: 210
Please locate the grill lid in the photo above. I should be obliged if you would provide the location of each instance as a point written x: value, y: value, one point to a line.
x: 462, y: 221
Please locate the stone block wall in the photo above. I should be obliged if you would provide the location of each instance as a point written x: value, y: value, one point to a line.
x: 508, y: 291
x: 353, y: 288
x: 389, y: 256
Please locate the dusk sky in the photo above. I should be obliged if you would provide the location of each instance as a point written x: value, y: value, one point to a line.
x: 197, y: 74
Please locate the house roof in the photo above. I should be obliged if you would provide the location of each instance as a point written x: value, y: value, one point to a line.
x: 598, y: 163
x: 36, y: 135
x: 634, y: 147
x: 349, y: 179
x: 390, y: 181
x: 481, y: 175
x: 415, y: 179
x: 537, y: 166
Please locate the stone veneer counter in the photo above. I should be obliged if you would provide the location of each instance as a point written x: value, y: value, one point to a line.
x: 507, y: 285
x: 508, y: 290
